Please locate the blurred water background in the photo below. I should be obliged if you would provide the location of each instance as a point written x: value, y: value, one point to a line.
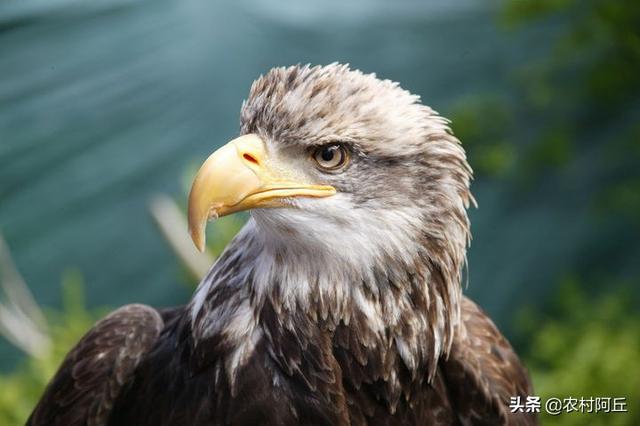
x: 104, y: 104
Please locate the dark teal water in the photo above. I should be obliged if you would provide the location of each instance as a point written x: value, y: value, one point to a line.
x: 103, y: 105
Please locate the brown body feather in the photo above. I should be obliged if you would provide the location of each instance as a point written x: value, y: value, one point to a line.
x: 313, y: 377
x: 93, y: 373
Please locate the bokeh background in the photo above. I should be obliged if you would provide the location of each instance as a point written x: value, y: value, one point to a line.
x: 107, y: 108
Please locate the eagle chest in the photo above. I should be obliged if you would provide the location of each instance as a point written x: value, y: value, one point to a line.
x: 332, y: 375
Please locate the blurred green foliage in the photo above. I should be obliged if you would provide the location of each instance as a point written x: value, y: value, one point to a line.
x: 583, y: 348
x: 486, y: 141
x: 564, y: 99
x: 20, y: 389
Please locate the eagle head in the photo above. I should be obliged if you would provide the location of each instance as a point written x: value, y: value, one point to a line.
x: 340, y: 163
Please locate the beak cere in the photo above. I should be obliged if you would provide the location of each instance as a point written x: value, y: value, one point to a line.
x: 240, y: 176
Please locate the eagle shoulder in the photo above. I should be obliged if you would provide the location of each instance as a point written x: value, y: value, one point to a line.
x: 91, y: 376
x: 483, y: 372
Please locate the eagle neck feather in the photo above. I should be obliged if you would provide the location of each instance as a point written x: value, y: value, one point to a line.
x: 401, y: 315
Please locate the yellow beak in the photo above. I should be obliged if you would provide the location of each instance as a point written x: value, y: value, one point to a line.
x: 240, y: 176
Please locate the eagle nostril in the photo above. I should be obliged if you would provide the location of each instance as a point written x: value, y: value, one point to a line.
x: 250, y: 158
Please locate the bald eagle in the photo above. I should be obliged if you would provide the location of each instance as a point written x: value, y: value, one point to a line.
x: 338, y: 303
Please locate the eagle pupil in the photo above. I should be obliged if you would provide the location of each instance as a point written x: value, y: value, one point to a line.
x: 328, y: 153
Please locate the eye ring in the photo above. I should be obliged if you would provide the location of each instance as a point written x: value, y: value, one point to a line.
x: 331, y: 157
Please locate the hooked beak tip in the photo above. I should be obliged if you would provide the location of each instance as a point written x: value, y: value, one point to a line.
x: 198, y: 229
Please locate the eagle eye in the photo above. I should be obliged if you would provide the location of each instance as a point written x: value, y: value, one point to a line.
x: 331, y: 157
